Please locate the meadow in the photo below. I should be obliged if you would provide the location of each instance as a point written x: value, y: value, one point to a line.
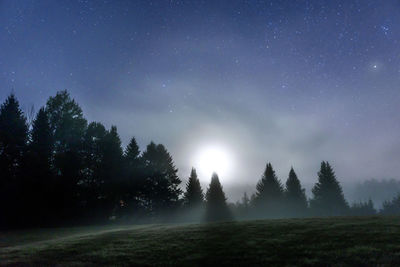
x: 337, y: 241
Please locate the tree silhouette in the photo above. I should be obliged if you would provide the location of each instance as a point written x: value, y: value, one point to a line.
x: 68, y: 128
x: 363, y: 208
x: 133, y: 181
x: 13, y: 140
x: 39, y: 180
x: 269, y: 194
x: 391, y: 207
x: 193, y: 196
x: 296, y: 200
x: 161, y: 191
x: 328, y: 198
x: 112, y: 171
x: 216, y: 206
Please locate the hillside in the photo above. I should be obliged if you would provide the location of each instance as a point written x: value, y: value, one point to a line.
x: 314, y: 241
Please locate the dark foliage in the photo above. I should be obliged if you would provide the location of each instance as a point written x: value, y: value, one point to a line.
x: 194, y: 195
x: 161, y: 191
x: 13, y: 146
x: 363, y: 208
x: 328, y: 198
x: 216, y: 206
x: 62, y: 170
x: 295, y: 196
x: 269, y: 196
x: 391, y: 207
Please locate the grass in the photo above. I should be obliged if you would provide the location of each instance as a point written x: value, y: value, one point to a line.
x: 344, y: 241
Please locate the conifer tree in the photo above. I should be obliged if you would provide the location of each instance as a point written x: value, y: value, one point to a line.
x: 216, y: 206
x: 363, y: 208
x: 161, y: 189
x: 92, y: 178
x: 13, y: 142
x: 269, y: 194
x: 296, y: 200
x: 39, y: 182
x: 193, y: 196
x: 112, y: 167
x: 133, y: 181
x: 41, y: 143
x: 13, y: 138
x: 328, y: 198
x: 68, y: 128
x: 391, y: 207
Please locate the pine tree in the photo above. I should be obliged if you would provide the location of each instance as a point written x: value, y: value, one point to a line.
x: 13, y: 138
x: 133, y: 182
x: 391, y: 207
x: 132, y: 153
x: 295, y: 196
x: 328, y: 198
x: 13, y: 143
x: 111, y: 174
x: 363, y: 208
x: 193, y: 196
x: 41, y: 143
x: 68, y: 129
x: 216, y: 206
x: 269, y: 194
x: 39, y: 183
x: 161, y: 191
x: 93, y: 158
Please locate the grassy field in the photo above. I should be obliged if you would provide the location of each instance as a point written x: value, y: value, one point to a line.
x: 315, y: 241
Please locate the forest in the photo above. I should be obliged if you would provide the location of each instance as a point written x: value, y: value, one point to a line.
x: 59, y: 169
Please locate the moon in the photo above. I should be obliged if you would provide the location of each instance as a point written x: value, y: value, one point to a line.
x: 213, y: 158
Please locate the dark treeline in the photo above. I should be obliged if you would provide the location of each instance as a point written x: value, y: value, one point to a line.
x: 59, y: 169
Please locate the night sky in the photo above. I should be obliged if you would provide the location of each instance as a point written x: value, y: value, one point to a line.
x: 290, y: 82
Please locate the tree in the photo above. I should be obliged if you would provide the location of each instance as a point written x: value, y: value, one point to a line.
x: 269, y: 194
x: 133, y: 182
x: 328, y: 198
x: 391, y: 207
x: 216, y: 206
x: 68, y: 128
x: 242, y: 208
x: 39, y: 183
x: 13, y: 141
x: 193, y: 196
x: 161, y: 191
x: 13, y: 138
x: 93, y: 159
x: 363, y: 208
x: 295, y: 196
x: 111, y: 173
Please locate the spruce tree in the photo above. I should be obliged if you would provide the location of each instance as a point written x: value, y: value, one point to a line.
x: 39, y: 183
x: 68, y: 129
x: 296, y: 200
x: 13, y: 138
x: 41, y: 143
x: 391, y: 207
x: 161, y: 191
x: 362, y: 208
x: 111, y: 174
x: 193, y: 196
x: 133, y: 182
x: 269, y: 194
x: 328, y: 198
x: 13, y: 144
x: 92, y: 180
x: 216, y: 206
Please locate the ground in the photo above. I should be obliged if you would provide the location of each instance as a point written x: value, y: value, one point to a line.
x: 351, y: 241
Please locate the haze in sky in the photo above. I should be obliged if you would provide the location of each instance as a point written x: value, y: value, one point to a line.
x: 287, y: 82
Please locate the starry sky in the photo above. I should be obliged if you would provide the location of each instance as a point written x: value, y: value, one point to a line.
x: 290, y: 82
